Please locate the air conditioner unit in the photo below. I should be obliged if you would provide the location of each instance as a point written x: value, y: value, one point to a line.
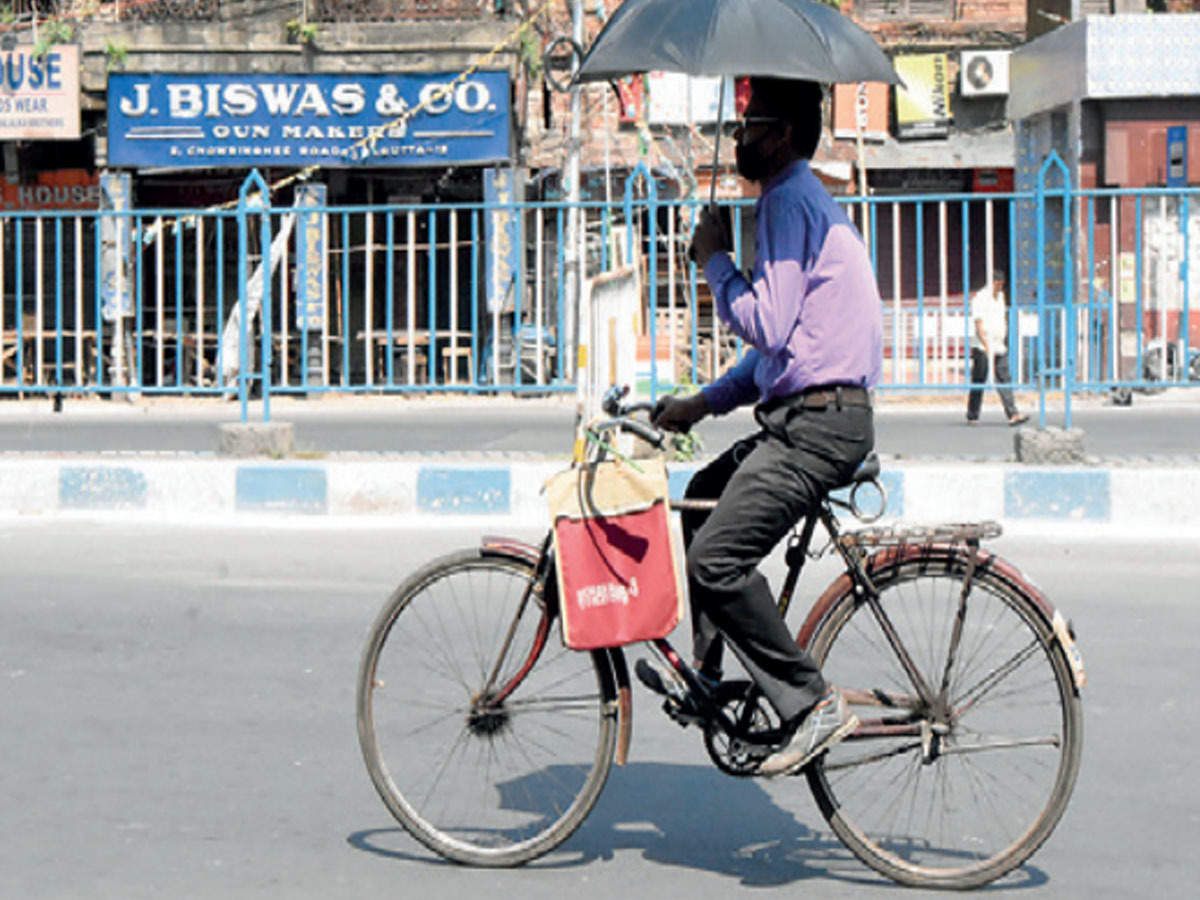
x: 983, y: 73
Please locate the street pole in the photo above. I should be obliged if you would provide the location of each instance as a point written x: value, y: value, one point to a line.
x: 860, y: 124
x: 571, y: 261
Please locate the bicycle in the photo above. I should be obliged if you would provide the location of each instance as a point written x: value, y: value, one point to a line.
x: 490, y: 742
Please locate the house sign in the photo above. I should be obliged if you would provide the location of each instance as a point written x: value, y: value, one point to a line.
x: 332, y: 120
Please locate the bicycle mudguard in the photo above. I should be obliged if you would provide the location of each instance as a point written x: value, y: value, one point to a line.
x: 945, y: 554
x: 494, y: 545
x: 616, y: 658
x: 523, y: 551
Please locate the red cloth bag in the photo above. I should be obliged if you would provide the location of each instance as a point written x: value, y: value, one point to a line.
x: 618, y: 569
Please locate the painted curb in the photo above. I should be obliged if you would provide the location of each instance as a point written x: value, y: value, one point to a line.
x: 432, y: 491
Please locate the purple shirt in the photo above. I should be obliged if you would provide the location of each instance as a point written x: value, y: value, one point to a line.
x: 812, y: 314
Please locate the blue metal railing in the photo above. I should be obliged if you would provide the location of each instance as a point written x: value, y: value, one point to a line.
x: 1101, y: 293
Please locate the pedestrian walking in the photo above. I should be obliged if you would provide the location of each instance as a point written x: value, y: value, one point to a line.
x: 989, y: 350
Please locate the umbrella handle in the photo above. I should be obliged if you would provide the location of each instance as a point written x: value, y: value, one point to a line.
x: 712, y: 188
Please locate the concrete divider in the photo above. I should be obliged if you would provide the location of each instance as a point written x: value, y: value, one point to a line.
x: 1155, y: 498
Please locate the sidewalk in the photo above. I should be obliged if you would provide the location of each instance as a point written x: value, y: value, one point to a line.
x: 435, y: 491
x: 1144, y: 493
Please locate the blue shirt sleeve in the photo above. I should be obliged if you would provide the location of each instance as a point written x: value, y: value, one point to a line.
x: 735, y: 387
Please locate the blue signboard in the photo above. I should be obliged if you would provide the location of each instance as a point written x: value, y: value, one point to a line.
x: 333, y: 120
x: 1177, y: 154
x: 311, y: 257
x: 501, y: 231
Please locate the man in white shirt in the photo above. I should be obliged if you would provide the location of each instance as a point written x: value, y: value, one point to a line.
x: 989, y: 332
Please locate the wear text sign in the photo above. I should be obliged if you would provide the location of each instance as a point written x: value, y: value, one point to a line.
x: 39, y: 94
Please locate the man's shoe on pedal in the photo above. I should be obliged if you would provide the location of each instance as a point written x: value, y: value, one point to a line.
x: 826, y: 724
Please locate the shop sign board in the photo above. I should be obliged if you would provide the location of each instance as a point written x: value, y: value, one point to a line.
x: 332, y: 120
x: 678, y: 99
x: 312, y: 256
x: 1177, y: 155
x: 39, y: 95
x: 923, y: 107
x: 52, y: 189
x: 503, y: 237
x: 862, y: 106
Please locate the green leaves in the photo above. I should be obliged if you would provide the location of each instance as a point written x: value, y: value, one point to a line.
x: 115, y: 55
x: 52, y: 31
x: 301, y: 31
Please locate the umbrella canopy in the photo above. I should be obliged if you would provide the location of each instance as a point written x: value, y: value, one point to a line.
x: 800, y: 39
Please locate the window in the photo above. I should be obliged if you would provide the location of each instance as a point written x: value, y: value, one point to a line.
x: 876, y: 10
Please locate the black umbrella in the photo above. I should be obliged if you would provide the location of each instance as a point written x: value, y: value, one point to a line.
x: 783, y: 38
x: 800, y: 39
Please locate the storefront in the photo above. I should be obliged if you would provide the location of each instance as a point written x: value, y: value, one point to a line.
x: 1117, y: 98
x: 384, y: 157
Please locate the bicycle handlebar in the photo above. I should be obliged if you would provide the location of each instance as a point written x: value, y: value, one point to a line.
x: 622, y: 417
x: 647, y: 433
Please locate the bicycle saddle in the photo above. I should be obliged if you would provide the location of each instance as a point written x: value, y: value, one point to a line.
x: 868, y: 469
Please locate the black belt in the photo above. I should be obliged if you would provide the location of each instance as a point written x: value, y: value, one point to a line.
x: 827, y: 395
x: 818, y: 397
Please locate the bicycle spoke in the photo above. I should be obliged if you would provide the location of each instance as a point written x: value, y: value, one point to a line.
x: 873, y: 757
x: 441, y: 650
x: 460, y: 741
x: 522, y: 743
x: 981, y: 688
x: 433, y: 723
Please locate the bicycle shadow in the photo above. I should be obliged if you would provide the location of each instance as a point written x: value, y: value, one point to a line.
x: 697, y: 818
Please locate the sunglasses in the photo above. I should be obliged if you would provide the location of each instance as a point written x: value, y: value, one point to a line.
x: 733, y: 126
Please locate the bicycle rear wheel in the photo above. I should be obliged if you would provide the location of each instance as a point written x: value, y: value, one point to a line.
x: 488, y: 756
x: 959, y: 795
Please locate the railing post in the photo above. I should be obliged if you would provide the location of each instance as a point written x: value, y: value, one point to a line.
x: 1040, y: 217
x: 246, y: 204
x: 1072, y: 349
x: 641, y: 170
x: 652, y: 286
x: 1185, y: 312
x: 1067, y: 368
x: 265, y: 306
x: 242, y: 304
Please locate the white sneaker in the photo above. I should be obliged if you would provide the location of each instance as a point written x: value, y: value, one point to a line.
x: 825, y: 725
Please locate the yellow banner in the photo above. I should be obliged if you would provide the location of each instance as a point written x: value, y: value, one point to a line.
x: 923, y: 108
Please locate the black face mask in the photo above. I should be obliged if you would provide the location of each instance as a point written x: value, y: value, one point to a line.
x: 752, y: 163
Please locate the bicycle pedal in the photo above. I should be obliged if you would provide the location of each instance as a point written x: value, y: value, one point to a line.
x: 681, y: 716
x: 649, y: 676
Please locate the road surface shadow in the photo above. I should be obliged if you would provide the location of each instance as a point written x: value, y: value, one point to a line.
x: 697, y: 818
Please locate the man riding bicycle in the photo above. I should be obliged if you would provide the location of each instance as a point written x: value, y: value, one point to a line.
x: 813, y: 319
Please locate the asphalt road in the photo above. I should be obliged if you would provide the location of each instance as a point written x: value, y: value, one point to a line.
x: 1166, y: 424
x: 177, y: 710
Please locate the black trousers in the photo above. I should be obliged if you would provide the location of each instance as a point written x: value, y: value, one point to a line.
x: 765, y: 484
x: 979, y: 371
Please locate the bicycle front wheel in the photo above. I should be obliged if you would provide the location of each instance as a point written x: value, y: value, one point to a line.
x: 485, y: 737
x: 957, y: 792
